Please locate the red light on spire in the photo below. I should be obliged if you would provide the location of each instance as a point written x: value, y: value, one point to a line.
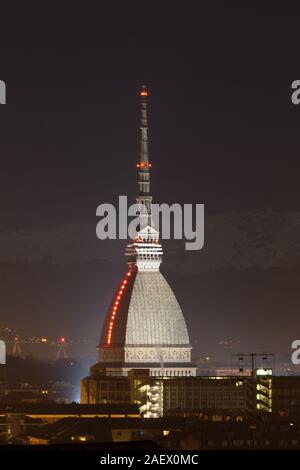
x: 144, y: 165
x: 62, y: 339
x: 144, y: 91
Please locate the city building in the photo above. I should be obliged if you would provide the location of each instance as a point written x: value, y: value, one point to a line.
x: 100, y: 388
x: 187, y: 395
x: 144, y: 325
x: 19, y: 417
x: 3, y: 375
x: 286, y: 394
x: 214, y: 429
x: 190, y: 396
x: 264, y: 389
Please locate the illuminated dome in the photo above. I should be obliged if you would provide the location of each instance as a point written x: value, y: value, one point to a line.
x: 147, y: 314
x: 145, y: 326
x: 154, y: 315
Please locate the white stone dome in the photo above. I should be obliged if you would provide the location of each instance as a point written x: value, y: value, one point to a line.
x: 154, y: 314
x: 148, y: 314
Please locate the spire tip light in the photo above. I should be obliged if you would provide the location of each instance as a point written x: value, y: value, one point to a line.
x: 144, y: 91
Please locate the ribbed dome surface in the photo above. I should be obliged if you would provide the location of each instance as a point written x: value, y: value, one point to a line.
x: 148, y: 314
x: 154, y: 316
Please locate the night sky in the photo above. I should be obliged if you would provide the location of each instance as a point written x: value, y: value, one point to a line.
x: 223, y: 132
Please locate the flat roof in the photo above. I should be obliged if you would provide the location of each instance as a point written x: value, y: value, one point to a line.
x: 69, y: 409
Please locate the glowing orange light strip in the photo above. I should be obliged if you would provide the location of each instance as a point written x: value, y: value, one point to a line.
x: 142, y: 165
x: 116, y: 306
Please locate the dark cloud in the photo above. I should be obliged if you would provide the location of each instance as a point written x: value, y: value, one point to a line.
x: 242, y: 240
x: 238, y: 240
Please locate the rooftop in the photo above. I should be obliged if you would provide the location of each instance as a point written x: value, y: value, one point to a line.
x: 70, y: 409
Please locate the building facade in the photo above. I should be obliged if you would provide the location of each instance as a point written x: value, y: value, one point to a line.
x: 159, y: 396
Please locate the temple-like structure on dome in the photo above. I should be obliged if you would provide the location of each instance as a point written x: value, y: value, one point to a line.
x: 144, y: 326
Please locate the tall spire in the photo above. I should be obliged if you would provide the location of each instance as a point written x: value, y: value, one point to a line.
x: 144, y: 165
x: 144, y: 198
x: 144, y: 251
